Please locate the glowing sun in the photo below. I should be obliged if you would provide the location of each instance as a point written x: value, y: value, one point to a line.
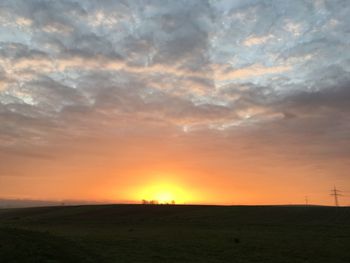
x: 164, y: 193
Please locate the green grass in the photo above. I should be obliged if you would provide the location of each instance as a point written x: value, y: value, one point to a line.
x: 144, y: 233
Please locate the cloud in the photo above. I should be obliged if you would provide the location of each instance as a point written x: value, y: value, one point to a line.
x: 248, y: 72
x: 257, y: 40
x: 187, y: 65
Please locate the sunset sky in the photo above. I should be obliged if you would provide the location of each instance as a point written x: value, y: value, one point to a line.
x: 218, y: 101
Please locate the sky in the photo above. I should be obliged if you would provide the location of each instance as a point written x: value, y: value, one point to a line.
x: 216, y: 102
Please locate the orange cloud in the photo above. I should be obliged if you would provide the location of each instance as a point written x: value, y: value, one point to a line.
x: 221, y: 73
x: 254, y: 40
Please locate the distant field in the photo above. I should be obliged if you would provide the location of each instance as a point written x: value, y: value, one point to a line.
x: 161, y: 233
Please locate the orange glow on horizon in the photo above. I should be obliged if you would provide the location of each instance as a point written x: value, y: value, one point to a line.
x: 164, y: 192
x: 163, y: 187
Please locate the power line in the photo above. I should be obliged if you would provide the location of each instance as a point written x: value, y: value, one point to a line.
x: 336, y: 194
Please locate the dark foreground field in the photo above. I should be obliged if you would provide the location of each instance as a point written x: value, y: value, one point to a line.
x: 145, y: 233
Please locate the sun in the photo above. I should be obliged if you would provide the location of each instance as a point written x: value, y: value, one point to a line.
x: 164, y: 193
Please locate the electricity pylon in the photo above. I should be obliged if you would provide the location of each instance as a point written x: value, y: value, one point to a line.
x: 335, y: 193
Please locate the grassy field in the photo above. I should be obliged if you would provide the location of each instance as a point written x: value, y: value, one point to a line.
x: 146, y: 233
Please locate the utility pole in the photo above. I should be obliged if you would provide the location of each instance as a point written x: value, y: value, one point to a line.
x: 335, y: 193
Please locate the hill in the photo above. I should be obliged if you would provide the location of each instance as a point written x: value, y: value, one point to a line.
x: 184, y: 233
